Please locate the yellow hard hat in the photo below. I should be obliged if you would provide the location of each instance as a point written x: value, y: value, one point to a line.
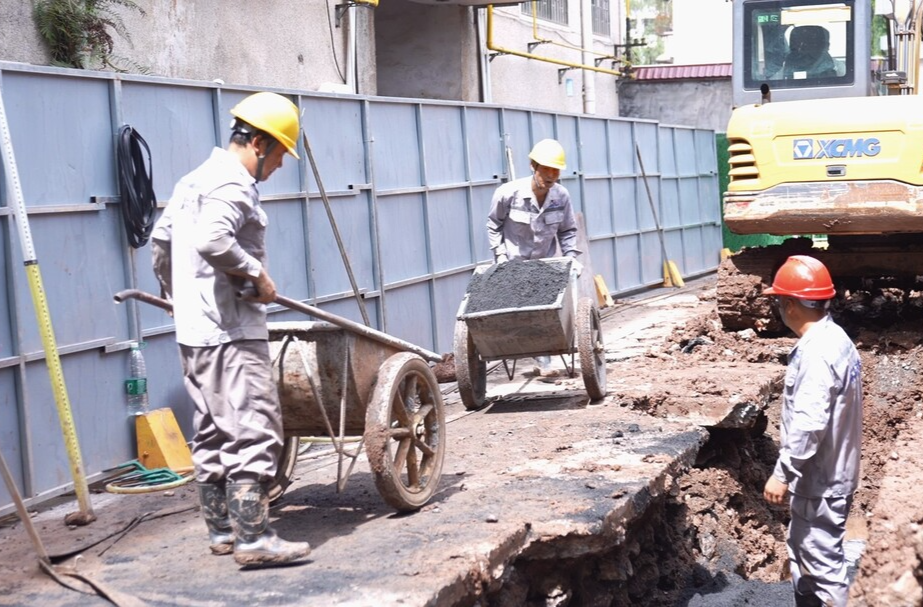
x: 272, y: 113
x: 548, y: 153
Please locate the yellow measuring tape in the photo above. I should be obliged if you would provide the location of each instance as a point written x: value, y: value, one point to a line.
x: 40, y: 303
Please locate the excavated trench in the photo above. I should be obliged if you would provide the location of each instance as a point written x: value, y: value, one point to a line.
x: 711, y: 539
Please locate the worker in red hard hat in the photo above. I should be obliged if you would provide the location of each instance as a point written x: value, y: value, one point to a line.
x: 208, y: 246
x: 821, y: 434
x: 531, y: 217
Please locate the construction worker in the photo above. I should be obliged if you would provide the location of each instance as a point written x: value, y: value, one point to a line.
x: 208, y: 247
x: 821, y: 433
x: 530, y: 217
x: 809, y: 56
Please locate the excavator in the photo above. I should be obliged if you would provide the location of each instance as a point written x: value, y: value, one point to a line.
x: 825, y: 146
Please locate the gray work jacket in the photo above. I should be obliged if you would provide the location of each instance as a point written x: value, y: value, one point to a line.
x: 821, y: 434
x: 519, y: 229
x: 213, y: 223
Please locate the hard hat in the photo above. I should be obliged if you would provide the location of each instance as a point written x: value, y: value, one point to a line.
x: 273, y: 114
x: 802, y: 277
x: 548, y: 153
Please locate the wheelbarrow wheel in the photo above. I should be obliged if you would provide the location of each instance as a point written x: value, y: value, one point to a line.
x: 470, y: 370
x: 591, y: 348
x: 286, y: 469
x: 405, y: 432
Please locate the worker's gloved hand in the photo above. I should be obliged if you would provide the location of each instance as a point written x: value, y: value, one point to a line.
x: 576, y: 267
x: 500, y: 258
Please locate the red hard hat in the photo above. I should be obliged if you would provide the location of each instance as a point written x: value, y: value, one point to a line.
x: 802, y: 277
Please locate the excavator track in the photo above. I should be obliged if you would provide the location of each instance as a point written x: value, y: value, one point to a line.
x: 741, y: 280
x: 877, y: 279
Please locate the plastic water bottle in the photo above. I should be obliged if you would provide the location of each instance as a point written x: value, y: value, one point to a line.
x: 136, y: 384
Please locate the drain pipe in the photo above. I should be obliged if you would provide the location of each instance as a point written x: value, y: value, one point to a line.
x: 352, y: 44
x: 351, y: 48
x: 589, y: 78
x: 483, y: 60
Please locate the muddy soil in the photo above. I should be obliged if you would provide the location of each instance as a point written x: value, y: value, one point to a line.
x: 714, y: 541
x: 723, y: 493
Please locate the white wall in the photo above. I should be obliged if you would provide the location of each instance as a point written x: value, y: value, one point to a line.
x: 285, y: 43
x: 430, y: 51
x: 426, y: 51
x: 520, y: 81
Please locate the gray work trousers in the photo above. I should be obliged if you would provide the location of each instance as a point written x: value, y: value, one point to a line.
x: 238, y: 418
x: 815, y: 550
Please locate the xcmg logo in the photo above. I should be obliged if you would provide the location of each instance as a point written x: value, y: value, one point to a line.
x: 807, y: 149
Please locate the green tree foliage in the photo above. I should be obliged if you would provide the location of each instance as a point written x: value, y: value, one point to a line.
x: 79, y: 32
x: 879, y: 31
x: 650, y: 20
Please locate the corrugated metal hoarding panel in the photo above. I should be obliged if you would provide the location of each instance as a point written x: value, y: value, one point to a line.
x: 409, y: 183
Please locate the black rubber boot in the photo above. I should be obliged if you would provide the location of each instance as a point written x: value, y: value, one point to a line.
x: 214, y: 501
x: 256, y: 543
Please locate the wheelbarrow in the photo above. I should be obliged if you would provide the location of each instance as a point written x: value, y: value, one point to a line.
x: 544, y: 322
x: 363, y: 390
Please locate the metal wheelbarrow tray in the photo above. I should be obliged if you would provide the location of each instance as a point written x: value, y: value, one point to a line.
x: 339, y: 384
x: 536, y: 328
x: 359, y: 387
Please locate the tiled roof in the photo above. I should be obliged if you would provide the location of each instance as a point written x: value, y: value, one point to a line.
x: 682, y: 72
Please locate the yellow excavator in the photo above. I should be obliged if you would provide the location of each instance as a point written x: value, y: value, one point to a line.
x: 825, y: 143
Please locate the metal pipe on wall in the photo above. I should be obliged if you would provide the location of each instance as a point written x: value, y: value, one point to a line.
x: 589, y: 78
x: 351, y: 52
x: 352, y: 43
x: 585, y: 48
x: 483, y: 60
x: 506, y: 51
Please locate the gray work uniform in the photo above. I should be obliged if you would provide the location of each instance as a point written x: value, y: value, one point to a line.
x: 819, y: 456
x: 518, y: 228
x: 214, y: 224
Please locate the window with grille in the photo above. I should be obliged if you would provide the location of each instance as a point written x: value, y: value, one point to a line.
x: 553, y: 10
x: 601, y: 17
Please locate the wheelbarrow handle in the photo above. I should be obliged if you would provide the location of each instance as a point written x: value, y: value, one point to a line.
x: 144, y: 296
x: 360, y: 329
x: 292, y: 304
x: 349, y: 325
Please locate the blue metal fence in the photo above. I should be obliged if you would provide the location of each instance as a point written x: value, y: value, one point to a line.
x: 409, y: 182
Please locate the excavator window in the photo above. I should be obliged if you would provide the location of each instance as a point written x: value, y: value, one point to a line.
x: 790, y: 44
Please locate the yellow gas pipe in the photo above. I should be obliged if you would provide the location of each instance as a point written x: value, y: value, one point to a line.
x: 536, y: 37
x: 506, y: 51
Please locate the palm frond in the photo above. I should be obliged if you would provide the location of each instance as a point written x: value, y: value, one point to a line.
x: 79, y: 33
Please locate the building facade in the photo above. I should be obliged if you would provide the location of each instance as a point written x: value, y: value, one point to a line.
x: 396, y: 48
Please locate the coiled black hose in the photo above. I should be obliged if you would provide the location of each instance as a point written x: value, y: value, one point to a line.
x: 136, y: 186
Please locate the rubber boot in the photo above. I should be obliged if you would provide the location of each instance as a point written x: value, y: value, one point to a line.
x: 214, y: 501
x: 256, y: 543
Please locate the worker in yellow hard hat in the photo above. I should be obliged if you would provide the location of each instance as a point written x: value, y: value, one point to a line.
x: 207, y: 248
x: 531, y: 217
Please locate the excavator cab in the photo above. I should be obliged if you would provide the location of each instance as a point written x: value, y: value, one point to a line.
x: 800, y: 49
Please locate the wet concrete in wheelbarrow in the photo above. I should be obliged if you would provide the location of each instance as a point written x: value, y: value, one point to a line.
x: 540, y: 480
